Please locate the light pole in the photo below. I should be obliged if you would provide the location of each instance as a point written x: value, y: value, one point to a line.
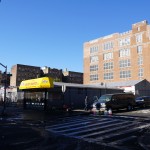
x: 4, y: 106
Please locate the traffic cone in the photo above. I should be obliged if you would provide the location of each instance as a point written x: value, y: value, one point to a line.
x: 109, y: 112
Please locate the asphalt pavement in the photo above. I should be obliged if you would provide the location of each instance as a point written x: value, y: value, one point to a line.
x: 25, y: 129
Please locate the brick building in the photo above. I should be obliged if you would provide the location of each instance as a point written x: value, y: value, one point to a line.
x: 4, y: 79
x: 118, y: 57
x: 23, y: 72
x: 72, y: 77
x: 54, y: 73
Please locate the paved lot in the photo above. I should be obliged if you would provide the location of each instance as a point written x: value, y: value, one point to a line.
x: 109, y: 132
x: 79, y: 130
x: 141, y: 112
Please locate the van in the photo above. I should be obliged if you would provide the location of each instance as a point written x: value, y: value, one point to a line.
x: 115, y: 101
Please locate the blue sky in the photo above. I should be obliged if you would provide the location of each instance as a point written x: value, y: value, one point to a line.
x: 52, y: 32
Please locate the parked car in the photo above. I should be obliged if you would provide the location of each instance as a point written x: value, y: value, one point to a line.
x: 115, y: 101
x: 143, y: 101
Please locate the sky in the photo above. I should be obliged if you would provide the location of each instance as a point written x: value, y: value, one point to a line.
x: 52, y: 32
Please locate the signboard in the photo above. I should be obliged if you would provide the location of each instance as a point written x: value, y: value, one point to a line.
x: 44, y: 82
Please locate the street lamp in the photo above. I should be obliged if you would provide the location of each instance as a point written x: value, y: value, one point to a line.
x: 4, y: 106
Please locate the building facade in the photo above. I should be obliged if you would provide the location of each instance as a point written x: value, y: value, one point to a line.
x: 118, y: 57
x: 54, y: 73
x: 4, y: 79
x: 23, y: 72
x: 72, y: 77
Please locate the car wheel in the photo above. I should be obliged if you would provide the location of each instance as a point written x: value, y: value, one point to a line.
x: 129, y: 107
x: 144, y: 105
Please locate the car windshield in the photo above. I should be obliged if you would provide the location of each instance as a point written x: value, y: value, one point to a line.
x: 104, y: 98
x: 139, y: 99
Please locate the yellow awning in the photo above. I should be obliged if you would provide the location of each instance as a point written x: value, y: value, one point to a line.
x: 44, y: 82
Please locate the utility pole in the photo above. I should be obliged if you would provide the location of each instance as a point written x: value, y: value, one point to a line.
x: 4, y: 105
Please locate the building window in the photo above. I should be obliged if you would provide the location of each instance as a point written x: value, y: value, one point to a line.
x: 124, y: 63
x: 93, y: 68
x: 93, y: 77
x: 93, y: 59
x: 140, y: 72
x: 139, y: 49
x: 125, y: 74
x: 108, y: 76
x: 124, y: 52
x: 108, y: 45
x: 108, y: 65
x: 140, y: 61
x: 124, y: 42
x: 138, y: 38
x: 94, y: 49
x: 108, y: 56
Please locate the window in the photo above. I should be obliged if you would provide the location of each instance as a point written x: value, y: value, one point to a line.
x: 124, y: 52
x: 140, y: 61
x: 125, y: 74
x: 124, y: 42
x: 139, y: 38
x: 93, y: 59
x: 94, y: 49
x: 108, y: 56
x: 140, y: 72
x: 93, y: 68
x: 108, y: 65
x: 139, y: 49
x: 108, y: 45
x: 93, y: 77
x: 108, y: 76
x: 124, y: 63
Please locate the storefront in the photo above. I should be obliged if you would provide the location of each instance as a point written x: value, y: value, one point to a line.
x: 35, y: 92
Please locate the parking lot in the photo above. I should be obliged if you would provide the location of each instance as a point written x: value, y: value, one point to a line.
x: 78, y: 130
x: 123, y: 130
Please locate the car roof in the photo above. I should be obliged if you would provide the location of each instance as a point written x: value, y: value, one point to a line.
x: 119, y: 94
x: 143, y: 97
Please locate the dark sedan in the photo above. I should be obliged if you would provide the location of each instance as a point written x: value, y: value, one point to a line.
x: 143, y: 101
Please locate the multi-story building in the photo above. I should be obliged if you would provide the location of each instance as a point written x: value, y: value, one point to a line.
x: 118, y: 57
x: 23, y: 72
x: 73, y: 77
x: 54, y: 73
x: 4, y: 79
